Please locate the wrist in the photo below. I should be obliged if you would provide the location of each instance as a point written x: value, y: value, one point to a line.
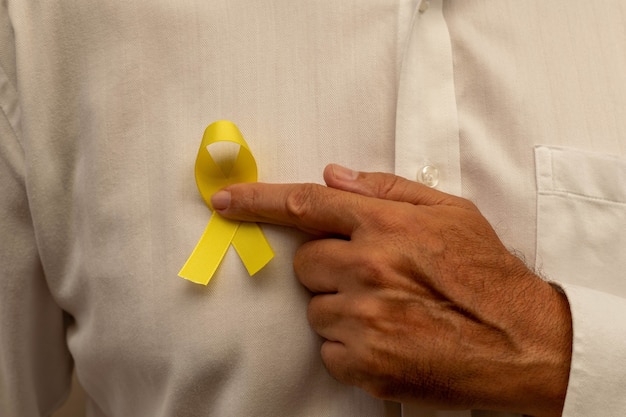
x: 548, y: 354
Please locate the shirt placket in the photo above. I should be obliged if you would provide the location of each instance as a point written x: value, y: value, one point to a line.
x: 427, y: 129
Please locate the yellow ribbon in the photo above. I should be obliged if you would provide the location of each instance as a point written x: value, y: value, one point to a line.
x: 247, y: 238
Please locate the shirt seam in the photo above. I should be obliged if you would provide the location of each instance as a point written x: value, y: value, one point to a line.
x: 562, y: 192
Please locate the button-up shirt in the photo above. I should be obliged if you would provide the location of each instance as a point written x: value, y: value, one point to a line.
x: 517, y: 106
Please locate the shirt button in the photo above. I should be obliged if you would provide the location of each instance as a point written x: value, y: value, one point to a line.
x: 424, y: 4
x: 429, y: 176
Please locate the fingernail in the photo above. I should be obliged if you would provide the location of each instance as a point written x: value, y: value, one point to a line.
x: 343, y: 173
x: 220, y: 200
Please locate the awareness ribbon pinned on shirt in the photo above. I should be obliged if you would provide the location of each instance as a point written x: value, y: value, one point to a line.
x: 247, y: 238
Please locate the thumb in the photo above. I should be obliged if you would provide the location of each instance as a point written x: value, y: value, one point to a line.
x: 387, y: 187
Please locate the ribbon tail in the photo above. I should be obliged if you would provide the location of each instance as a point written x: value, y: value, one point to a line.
x: 210, y: 250
x: 252, y: 247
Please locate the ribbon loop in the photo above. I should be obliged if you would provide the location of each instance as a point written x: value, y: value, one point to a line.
x: 247, y: 238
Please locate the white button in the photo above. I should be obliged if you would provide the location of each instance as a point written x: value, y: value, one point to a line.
x: 429, y: 176
x: 424, y: 4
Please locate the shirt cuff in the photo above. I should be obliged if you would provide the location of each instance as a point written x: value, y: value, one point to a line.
x: 598, y: 368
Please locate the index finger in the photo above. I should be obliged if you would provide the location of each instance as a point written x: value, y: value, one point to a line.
x: 310, y: 207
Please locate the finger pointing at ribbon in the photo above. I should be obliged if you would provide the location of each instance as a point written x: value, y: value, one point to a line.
x: 310, y: 207
x: 321, y: 210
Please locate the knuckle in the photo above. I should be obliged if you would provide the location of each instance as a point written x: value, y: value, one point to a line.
x: 370, y: 314
x: 390, y: 185
x: 376, y: 268
x: 393, y: 219
x: 309, y: 254
x: 299, y: 201
x: 250, y: 199
x: 245, y: 199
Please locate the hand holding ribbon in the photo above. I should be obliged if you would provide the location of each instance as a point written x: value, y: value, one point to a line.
x: 247, y: 238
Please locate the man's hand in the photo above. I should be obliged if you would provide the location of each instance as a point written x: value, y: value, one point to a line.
x: 416, y: 297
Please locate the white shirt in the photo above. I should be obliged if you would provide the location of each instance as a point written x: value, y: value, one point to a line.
x: 518, y: 106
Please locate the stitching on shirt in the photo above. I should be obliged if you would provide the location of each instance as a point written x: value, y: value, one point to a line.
x: 581, y: 195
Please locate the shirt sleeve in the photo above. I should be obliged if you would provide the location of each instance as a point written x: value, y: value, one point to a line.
x: 35, y: 365
x: 598, y: 368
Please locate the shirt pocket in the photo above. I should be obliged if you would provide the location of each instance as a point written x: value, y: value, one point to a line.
x: 581, y: 218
